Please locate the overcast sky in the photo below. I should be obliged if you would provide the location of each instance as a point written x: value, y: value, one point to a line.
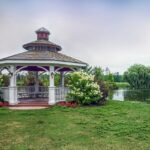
x: 106, y: 33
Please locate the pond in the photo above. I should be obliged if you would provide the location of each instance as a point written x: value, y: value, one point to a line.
x: 130, y: 95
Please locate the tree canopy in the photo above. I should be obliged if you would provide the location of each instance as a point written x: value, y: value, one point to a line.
x: 138, y: 76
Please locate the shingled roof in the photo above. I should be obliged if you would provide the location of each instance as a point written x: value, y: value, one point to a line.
x: 43, y: 50
x: 42, y: 29
x: 43, y: 43
x: 43, y: 55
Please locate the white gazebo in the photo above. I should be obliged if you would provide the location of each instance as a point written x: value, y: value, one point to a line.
x: 41, y: 56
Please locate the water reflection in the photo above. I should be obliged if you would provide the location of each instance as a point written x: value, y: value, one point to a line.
x: 131, y: 95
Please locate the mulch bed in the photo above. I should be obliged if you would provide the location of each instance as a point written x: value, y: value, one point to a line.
x: 62, y: 103
x: 4, y: 104
x: 67, y: 104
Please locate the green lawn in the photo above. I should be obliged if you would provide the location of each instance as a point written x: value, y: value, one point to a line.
x: 122, y: 84
x: 115, y: 126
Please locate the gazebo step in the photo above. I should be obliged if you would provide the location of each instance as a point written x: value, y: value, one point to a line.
x: 31, y: 103
x: 30, y: 106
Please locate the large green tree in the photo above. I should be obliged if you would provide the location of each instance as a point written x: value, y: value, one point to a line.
x: 138, y: 76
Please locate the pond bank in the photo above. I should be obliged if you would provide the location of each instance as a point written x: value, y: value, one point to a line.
x: 125, y: 94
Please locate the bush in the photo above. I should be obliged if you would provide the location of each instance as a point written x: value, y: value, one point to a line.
x: 1, y: 99
x: 112, y: 85
x: 83, y: 89
x: 4, y: 80
x: 105, y: 90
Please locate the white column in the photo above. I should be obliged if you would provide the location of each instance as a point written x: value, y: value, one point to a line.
x: 51, y: 86
x: 36, y: 83
x: 62, y: 78
x: 12, y: 86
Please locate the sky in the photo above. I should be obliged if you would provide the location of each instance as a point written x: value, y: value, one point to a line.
x: 106, y: 33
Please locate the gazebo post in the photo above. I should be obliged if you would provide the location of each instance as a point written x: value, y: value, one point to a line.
x: 36, y: 83
x: 12, y: 87
x: 51, y: 86
x: 62, y: 78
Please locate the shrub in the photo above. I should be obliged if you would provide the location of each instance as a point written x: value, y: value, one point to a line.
x: 105, y: 90
x: 1, y: 99
x: 4, y: 80
x: 112, y: 85
x: 83, y: 89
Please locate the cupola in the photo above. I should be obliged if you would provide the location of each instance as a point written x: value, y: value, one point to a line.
x: 42, y: 34
x: 42, y: 42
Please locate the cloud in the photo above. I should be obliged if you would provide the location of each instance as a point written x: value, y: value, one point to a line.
x: 109, y: 34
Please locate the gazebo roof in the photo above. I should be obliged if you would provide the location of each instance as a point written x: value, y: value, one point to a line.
x: 42, y: 29
x: 43, y: 43
x: 42, y: 51
x: 43, y: 55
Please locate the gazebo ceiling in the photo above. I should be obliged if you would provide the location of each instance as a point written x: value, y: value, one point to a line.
x: 36, y: 68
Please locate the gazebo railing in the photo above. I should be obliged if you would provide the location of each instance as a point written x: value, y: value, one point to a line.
x: 31, y: 92
x: 42, y: 92
x: 61, y: 93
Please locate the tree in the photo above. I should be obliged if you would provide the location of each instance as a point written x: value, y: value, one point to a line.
x: 118, y: 77
x: 109, y: 77
x: 138, y: 76
x: 98, y: 74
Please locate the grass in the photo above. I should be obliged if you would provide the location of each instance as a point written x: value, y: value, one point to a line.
x: 122, y: 84
x: 115, y: 126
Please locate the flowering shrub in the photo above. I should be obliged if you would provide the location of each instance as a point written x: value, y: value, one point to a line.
x: 83, y: 89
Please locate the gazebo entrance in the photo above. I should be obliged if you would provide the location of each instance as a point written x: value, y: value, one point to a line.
x: 37, y: 93
x: 32, y: 94
x: 28, y: 95
x: 32, y: 91
x: 41, y: 56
